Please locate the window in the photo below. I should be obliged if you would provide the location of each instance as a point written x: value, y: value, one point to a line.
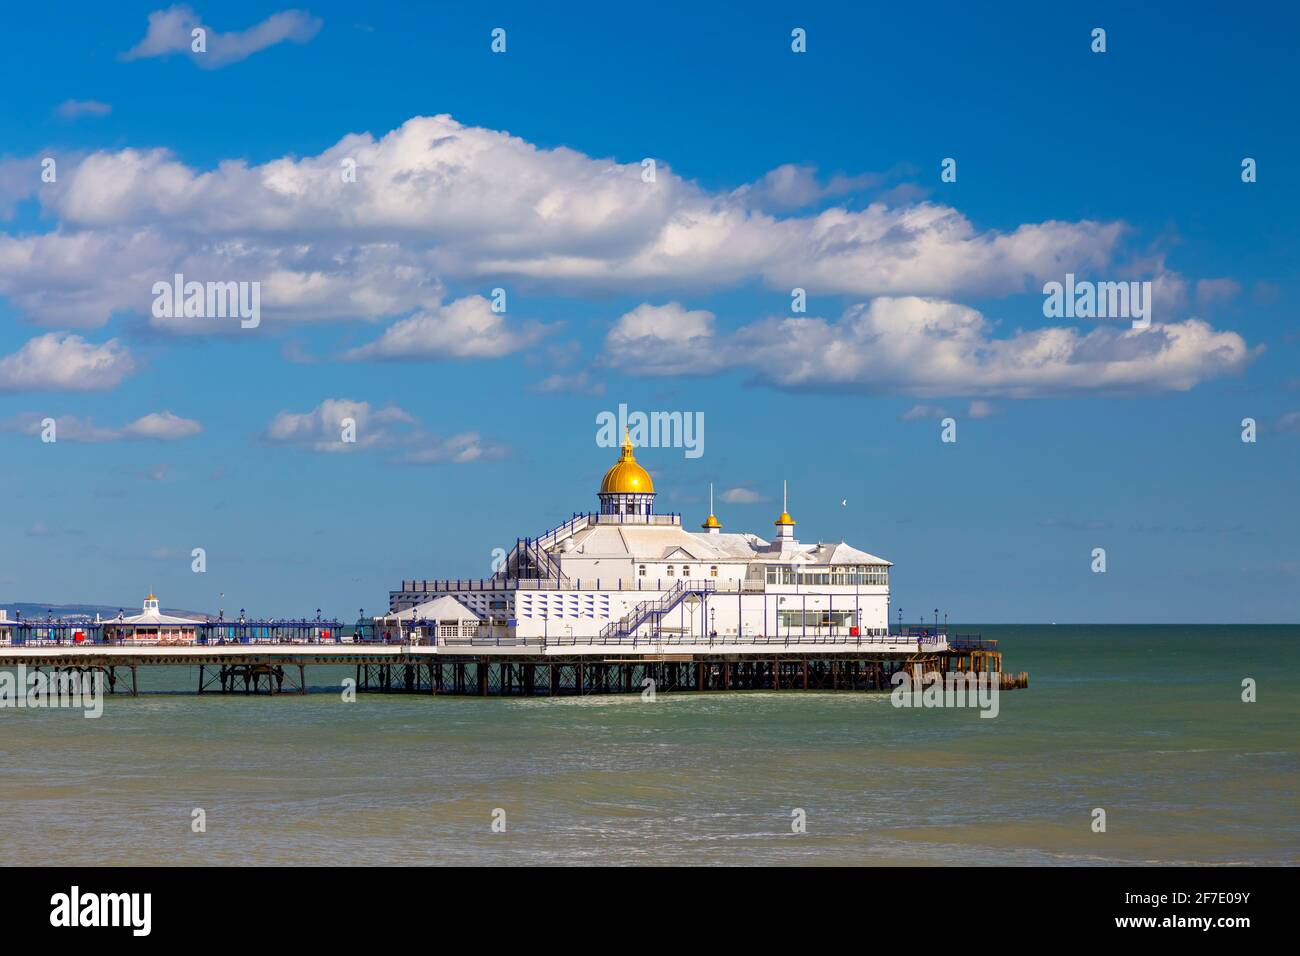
x: 641, y: 571
x: 780, y: 574
x: 686, y: 571
x: 795, y: 620
x: 671, y: 572
x: 713, y: 571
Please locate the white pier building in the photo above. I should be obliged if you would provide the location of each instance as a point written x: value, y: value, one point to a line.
x: 627, y: 574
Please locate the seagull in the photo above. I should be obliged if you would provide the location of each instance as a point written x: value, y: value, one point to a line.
x: 844, y: 502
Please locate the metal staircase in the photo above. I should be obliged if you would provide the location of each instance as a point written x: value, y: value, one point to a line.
x: 654, y: 609
x: 529, y: 560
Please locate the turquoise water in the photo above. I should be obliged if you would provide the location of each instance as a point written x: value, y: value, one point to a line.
x: 1144, y: 722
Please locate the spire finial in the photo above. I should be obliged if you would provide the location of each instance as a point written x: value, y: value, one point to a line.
x: 711, y: 523
x: 785, y: 519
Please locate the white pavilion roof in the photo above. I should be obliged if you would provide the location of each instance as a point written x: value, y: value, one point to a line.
x: 152, y: 617
x: 842, y: 553
x: 445, y: 608
x: 640, y: 542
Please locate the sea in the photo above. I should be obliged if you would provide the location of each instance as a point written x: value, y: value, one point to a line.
x: 1146, y: 724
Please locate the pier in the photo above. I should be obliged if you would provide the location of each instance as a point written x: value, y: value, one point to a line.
x: 487, y: 667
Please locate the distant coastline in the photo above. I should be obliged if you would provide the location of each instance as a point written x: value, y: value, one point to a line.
x: 29, y: 609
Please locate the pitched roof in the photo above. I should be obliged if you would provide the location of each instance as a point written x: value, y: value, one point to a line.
x: 445, y: 608
x: 152, y: 617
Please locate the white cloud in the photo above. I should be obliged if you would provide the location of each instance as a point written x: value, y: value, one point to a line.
x: 741, y: 496
x: 322, y: 429
x: 74, y: 109
x: 929, y: 348
x: 921, y: 412
x: 792, y: 186
x: 458, y: 449
x: 170, y: 32
x: 436, y: 200
x: 663, y: 340
x: 981, y: 409
x: 62, y: 362
x: 156, y: 426
x: 574, y: 383
x: 162, y: 426
x: 465, y: 328
x: 1212, y: 292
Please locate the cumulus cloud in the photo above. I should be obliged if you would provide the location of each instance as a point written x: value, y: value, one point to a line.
x: 574, y: 383
x: 62, y: 362
x: 793, y: 186
x: 458, y: 449
x: 927, y: 348
x: 171, y: 31
x: 921, y: 412
x: 436, y: 200
x: 465, y: 328
x: 665, y: 340
x: 156, y: 426
x: 323, y: 429
x: 74, y: 109
x: 741, y: 496
x: 162, y: 426
x: 1212, y: 292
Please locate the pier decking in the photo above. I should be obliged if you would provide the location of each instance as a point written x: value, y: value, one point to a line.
x: 496, y: 667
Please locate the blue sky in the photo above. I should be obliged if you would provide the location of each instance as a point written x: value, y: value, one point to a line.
x: 522, y: 171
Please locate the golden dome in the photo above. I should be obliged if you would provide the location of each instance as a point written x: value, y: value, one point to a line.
x: 784, y: 519
x: 627, y: 477
x: 711, y: 522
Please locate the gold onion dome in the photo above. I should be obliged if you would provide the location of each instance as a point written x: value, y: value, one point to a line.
x: 711, y: 522
x: 626, y: 477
